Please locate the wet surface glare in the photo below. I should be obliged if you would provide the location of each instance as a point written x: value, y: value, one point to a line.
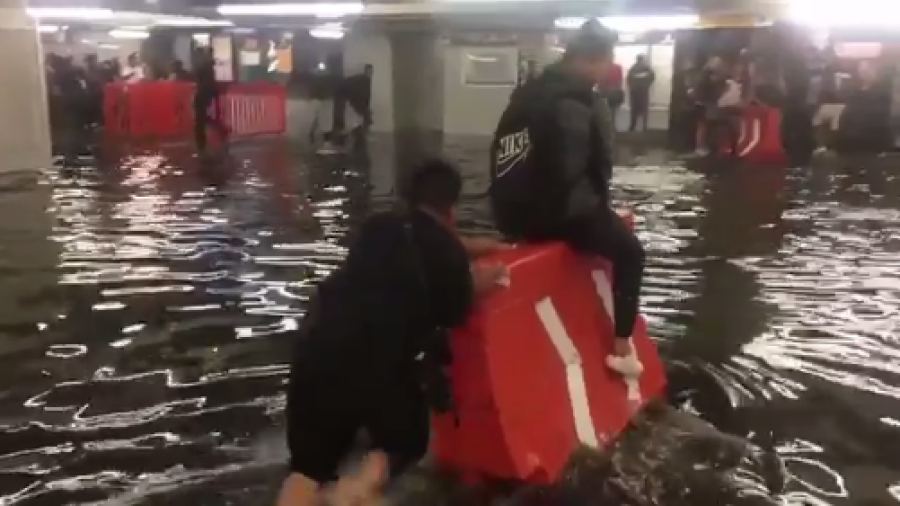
x: 146, y: 313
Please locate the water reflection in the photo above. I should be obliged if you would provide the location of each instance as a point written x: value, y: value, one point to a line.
x: 146, y: 313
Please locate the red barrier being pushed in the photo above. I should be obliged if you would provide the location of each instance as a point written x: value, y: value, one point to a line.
x: 529, y: 374
x: 759, y: 136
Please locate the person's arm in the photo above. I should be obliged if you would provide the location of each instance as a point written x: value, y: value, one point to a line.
x: 481, y: 246
x: 452, y: 281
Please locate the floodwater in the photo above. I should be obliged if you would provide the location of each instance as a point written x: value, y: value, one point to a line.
x: 147, y: 306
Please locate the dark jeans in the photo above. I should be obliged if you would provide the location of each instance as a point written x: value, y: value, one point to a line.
x: 640, y: 112
x: 202, y: 118
x: 606, y: 235
x: 323, y: 421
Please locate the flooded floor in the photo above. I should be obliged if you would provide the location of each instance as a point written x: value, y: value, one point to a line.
x: 147, y: 306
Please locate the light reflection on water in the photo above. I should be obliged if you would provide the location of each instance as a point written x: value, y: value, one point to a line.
x: 147, y: 312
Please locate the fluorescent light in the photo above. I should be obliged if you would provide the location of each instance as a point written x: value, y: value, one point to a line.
x: 107, y: 46
x: 323, y: 33
x: 192, y: 22
x: 85, y: 13
x: 325, y: 9
x: 634, y: 23
x: 49, y: 28
x: 128, y: 34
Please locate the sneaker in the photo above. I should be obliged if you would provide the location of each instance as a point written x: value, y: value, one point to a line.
x: 628, y: 366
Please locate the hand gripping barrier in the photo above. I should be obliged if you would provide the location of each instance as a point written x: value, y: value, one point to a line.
x: 529, y: 376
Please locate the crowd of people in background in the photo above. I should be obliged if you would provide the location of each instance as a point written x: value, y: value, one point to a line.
x: 75, y: 89
x: 826, y: 104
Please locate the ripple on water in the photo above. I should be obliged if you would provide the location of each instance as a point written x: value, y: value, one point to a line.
x: 148, y: 314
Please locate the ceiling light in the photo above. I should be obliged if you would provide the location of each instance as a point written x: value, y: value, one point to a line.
x: 85, y: 13
x: 325, y: 9
x: 322, y: 33
x: 129, y: 34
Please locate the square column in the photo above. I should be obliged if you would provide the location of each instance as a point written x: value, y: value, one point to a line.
x: 24, y: 116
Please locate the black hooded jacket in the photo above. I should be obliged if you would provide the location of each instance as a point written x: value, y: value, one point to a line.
x: 549, y: 162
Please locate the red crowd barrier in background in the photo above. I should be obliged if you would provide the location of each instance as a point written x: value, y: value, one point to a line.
x: 529, y: 377
x: 759, y: 136
x: 164, y: 109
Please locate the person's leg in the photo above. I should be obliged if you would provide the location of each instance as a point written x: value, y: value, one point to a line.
x: 711, y: 139
x: 201, y: 120
x: 399, y: 426
x: 320, y: 435
x: 608, y: 236
x: 635, y: 112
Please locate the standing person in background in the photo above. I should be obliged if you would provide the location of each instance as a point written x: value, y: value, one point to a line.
x: 358, y: 90
x: 640, y: 80
x: 206, y: 96
x: 612, y: 88
x: 685, y: 113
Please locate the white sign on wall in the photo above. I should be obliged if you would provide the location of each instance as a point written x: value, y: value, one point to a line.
x: 222, y: 53
x: 490, y: 66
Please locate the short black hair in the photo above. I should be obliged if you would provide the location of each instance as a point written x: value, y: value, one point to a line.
x: 592, y: 40
x: 436, y: 184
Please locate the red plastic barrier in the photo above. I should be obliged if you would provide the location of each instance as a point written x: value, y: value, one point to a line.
x: 529, y: 374
x: 255, y: 109
x: 759, y: 138
x: 164, y: 109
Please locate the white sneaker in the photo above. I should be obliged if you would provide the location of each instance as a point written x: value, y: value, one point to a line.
x: 630, y: 367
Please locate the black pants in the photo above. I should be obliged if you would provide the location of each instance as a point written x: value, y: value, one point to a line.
x: 640, y: 112
x: 324, y: 419
x: 605, y: 234
x: 203, y: 119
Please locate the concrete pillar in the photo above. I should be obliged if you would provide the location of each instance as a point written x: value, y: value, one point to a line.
x: 408, y: 76
x: 24, y: 117
x: 407, y: 83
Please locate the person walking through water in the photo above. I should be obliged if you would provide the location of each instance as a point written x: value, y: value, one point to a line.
x: 551, y: 171
x: 206, y: 96
x: 640, y: 80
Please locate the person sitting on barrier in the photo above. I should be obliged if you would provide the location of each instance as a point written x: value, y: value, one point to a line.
x: 372, y: 347
x: 551, y: 172
x: 206, y: 96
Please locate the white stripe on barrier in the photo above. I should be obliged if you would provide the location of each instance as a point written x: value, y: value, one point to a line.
x: 571, y: 360
x: 604, y: 290
x: 753, y: 139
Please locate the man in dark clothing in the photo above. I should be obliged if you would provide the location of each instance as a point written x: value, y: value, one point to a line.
x: 865, y: 123
x: 551, y: 172
x: 374, y: 327
x: 640, y: 80
x: 206, y: 96
x: 718, y: 124
x: 359, y: 94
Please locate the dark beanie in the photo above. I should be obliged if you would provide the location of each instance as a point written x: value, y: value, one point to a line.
x: 592, y: 39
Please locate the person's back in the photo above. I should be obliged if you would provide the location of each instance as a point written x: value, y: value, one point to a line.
x: 540, y: 155
x: 640, y: 77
